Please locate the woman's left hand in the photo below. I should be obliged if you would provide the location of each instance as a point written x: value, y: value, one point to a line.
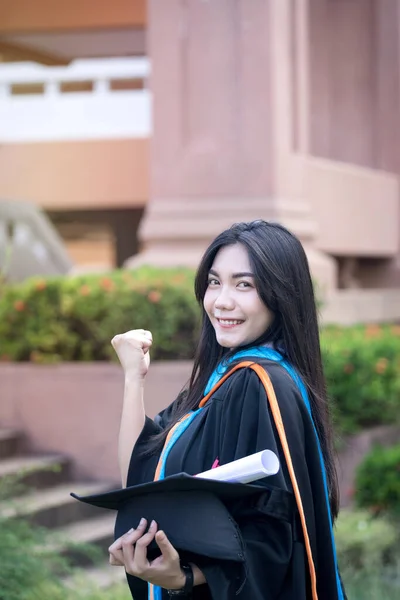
x: 130, y: 551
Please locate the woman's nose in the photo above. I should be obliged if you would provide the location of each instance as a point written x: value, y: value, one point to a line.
x: 224, y: 301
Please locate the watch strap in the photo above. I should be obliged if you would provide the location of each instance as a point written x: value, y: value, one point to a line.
x: 186, y: 591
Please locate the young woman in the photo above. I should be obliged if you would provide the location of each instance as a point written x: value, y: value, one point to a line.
x: 258, y: 305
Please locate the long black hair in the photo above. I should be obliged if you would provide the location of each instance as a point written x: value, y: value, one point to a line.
x: 284, y: 284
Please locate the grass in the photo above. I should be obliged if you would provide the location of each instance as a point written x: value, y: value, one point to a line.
x: 116, y: 592
x: 51, y: 591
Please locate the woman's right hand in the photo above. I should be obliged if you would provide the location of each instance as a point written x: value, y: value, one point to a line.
x: 132, y: 349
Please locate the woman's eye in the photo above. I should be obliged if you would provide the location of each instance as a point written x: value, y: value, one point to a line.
x: 213, y: 282
x: 244, y: 284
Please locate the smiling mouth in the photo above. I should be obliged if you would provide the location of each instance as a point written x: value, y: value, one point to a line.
x: 229, y: 322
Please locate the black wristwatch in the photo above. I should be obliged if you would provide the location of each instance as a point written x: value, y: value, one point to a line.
x: 186, y: 591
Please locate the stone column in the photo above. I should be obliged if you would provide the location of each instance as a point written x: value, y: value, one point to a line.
x: 230, y: 106
x: 387, y: 44
x: 386, y: 273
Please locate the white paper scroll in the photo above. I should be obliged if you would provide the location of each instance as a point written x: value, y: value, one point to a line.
x: 245, y: 470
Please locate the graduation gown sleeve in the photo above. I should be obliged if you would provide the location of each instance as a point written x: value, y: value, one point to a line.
x: 142, y: 466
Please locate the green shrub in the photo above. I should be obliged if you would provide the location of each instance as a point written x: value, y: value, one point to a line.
x: 378, y: 481
x: 25, y: 568
x: 363, y: 541
x: 368, y: 555
x: 74, y: 319
x: 31, y: 567
x: 362, y: 367
x: 372, y: 584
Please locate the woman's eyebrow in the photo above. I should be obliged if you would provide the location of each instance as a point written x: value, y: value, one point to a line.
x: 234, y: 275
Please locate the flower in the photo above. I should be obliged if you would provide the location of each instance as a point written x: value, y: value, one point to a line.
x: 85, y: 290
x: 107, y: 284
x: 41, y: 285
x: 19, y: 305
x: 373, y: 331
x: 381, y: 365
x: 154, y: 296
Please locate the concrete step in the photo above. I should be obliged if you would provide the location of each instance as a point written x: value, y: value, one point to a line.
x: 9, y: 443
x: 98, y: 532
x: 36, y: 471
x: 53, y: 507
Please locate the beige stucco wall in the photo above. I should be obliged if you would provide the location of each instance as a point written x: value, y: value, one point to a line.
x: 76, y: 175
x: 75, y: 409
x: 356, y: 210
x: 27, y: 16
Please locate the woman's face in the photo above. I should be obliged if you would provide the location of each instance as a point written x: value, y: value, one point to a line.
x: 231, y: 302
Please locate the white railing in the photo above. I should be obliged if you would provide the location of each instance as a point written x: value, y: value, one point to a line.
x: 52, y: 114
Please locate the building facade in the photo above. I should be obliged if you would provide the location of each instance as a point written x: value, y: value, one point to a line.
x: 277, y: 109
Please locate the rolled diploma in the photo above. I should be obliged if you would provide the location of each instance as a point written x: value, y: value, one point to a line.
x: 245, y: 470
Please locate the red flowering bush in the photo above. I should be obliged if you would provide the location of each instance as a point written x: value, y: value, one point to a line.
x: 362, y: 366
x: 74, y: 319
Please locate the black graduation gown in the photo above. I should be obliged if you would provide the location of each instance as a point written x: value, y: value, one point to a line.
x: 237, y: 422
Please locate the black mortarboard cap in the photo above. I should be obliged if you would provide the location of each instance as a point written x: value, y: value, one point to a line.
x: 195, y: 513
